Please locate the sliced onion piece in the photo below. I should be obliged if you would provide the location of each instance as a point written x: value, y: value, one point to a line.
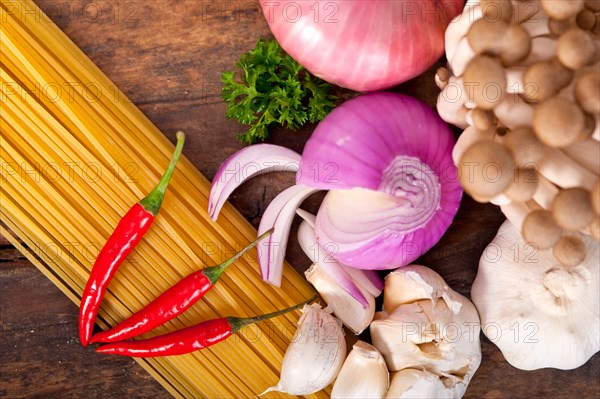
x: 244, y: 164
x: 367, y: 279
x: 279, y: 215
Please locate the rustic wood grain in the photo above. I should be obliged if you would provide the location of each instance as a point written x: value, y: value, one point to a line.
x: 167, y: 57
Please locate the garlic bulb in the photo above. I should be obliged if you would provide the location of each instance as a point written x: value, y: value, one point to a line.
x: 315, y: 355
x: 418, y: 384
x: 363, y: 375
x: 426, y: 325
x: 539, y: 312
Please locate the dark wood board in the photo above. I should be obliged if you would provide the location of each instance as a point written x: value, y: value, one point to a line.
x: 167, y: 57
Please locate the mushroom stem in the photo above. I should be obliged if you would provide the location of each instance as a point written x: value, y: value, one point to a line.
x: 543, y: 48
x: 462, y: 56
x: 545, y: 193
x: 513, y: 111
x: 563, y: 171
x: 586, y: 153
x: 516, y: 212
x: 451, y: 102
x: 537, y: 25
x: 459, y: 26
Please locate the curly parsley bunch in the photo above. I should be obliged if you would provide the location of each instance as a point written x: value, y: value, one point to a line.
x: 274, y: 90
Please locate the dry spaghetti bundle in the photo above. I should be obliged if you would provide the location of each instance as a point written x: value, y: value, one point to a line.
x: 74, y: 155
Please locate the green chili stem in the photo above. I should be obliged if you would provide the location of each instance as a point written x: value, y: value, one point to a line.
x: 153, y: 201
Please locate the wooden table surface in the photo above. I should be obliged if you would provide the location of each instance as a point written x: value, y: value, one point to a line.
x: 167, y: 56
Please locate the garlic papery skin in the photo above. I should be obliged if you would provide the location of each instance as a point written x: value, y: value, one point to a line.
x: 538, y: 312
x: 419, y: 384
x: 342, y: 304
x: 427, y: 326
x: 363, y: 375
x: 315, y: 355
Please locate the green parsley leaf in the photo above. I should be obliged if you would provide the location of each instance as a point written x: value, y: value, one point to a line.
x: 273, y: 89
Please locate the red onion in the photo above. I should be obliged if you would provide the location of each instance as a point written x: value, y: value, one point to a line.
x: 362, y: 45
x: 387, y: 160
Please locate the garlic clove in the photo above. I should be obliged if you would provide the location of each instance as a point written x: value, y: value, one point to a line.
x: 351, y: 312
x: 415, y: 282
x: 419, y: 384
x: 315, y: 355
x: 363, y: 375
x: 426, y: 325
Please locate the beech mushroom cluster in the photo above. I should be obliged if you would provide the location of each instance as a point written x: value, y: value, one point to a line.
x: 523, y: 80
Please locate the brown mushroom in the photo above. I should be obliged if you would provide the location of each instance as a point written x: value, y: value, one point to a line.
x: 485, y: 170
x: 485, y: 36
x: 587, y: 91
x: 586, y: 19
x: 525, y: 147
x: 510, y: 42
x: 562, y: 9
x: 572, y: 208
x: 516, y: 45
x: 569, y: 250
x: 485, y: 81
x: 576, y: 48
x: 540, y: 228
x: 543, y: 79
x: 558, y: 122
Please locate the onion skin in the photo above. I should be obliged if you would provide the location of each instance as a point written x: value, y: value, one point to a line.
x: 371, y: 225
x: 362, y: 45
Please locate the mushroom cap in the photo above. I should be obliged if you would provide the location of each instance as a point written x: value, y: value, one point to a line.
x: 540, y: 228
x: 486, y: 169
x: 576, y: 48
x: 554, y: 309
x: 485, y: 36
x: 485, y: 81
x: 569, y: 250
x: 572, y: 208
x: 586, y: 19
x: 516, y: 45
x: 558, y: 122
x: 525, y: 147
x: 587, y: 91
x: 559, y: 9
x: 543, y: 79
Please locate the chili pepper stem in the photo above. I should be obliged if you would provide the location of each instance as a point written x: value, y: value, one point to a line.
x: 152, y: 202
x: 237, y: 323
x: 214, y: 272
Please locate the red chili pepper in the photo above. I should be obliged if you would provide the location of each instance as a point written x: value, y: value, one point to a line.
x: 172, y: 302
x: 189, y: 339
x: 125, y: 237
